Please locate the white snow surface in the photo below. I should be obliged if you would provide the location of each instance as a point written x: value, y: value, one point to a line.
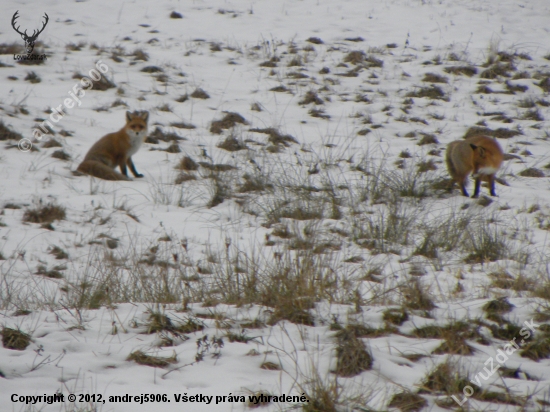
x: 219, y: 46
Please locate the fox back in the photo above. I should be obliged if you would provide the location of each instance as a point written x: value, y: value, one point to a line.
x: 116, y: 149
x: 480, y: 156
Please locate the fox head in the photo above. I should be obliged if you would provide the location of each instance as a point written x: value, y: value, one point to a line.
x: 136, y: 124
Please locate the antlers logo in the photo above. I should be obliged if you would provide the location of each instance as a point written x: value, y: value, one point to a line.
x: 29, y: 40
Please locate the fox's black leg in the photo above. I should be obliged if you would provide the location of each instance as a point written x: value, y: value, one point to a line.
x: 492, y: 185
x: 463, y: 188
x: 123, y: 169
x: 133, y: 168
x: 478, y: 186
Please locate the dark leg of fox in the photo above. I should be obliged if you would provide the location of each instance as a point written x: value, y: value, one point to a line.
x: 492, y: 185
x: 478, y: 186
x: 133, y: 168
x: 463, y: 188
x: 123, y: 169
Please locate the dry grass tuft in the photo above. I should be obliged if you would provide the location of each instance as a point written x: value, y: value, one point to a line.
x: 61, y: 155
x: 464, y: 70
x: 432, y: 92
x: 311, y: 97
x: 500, y: 305
x: 154, y: 361
x: 352, y: 357
x: 500, y: 133
x: 395, y: 316
x: 427, y: 138
x: 275, y: 137
x: 11, y: 48
x: 537, y: 349
x: 103, y: 84
x: 159, y: 135
x: 496, y: 70
x: 7, y: 134
x: 415, y: 296
x: 532, y: 172
x: 228, y: 121
x: 232, y: 144
x: 435, y: 78
x: 200, y: 94
x: 407, y: 402
x: 187, y: 164
x: 44, y: 213
x: 270, y: 366
x: 15, y: 339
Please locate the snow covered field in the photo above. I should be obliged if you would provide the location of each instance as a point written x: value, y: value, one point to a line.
x: 295, y: 232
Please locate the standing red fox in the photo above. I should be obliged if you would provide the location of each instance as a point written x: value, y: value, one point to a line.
x: 479, y: 155
x: 116, y: 149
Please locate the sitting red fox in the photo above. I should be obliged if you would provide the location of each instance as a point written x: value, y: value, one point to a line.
x: 116, y: 149
x: 479, y: 155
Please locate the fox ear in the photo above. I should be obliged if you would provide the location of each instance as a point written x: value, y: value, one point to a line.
x: 129, y: 116
x: 144, y: 115
x: 473, y: 146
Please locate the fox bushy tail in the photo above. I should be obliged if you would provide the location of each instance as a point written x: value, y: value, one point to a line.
x: 100, y: 170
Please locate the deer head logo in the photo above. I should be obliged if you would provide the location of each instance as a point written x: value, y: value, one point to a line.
x: 29, y: 40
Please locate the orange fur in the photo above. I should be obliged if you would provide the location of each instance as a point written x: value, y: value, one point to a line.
x: 480, y: 156
x: 116, y: 149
